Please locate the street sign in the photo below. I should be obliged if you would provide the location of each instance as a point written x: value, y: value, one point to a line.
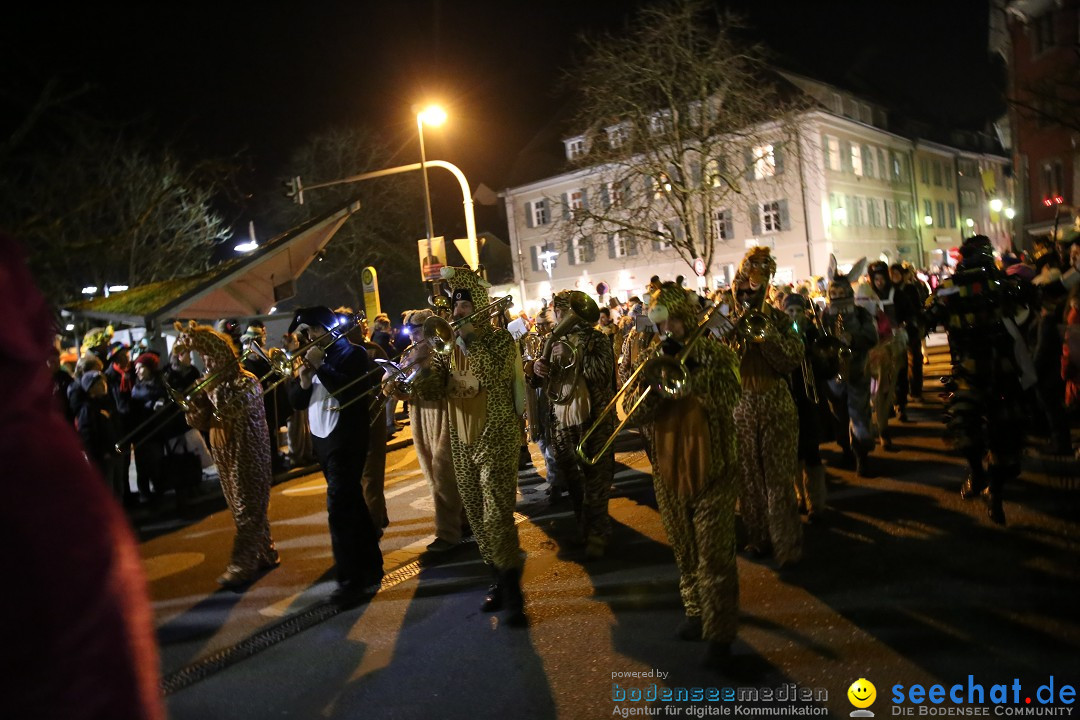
x: 699, y: 267
x: 431, y: 263
x: 466, y: 249
x: 369, y: 280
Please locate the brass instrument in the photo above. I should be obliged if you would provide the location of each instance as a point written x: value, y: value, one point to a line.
x: 179, y: 401
x: 753, y: 325
x: 833, y: 350
x: 807, y: 368
x: 583, y: 311
x: 667, y: 375
x: 532, y: 346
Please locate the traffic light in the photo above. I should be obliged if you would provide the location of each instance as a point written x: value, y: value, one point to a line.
x: 295, y: 190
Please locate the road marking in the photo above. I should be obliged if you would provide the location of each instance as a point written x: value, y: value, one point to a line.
x: 408, y: 488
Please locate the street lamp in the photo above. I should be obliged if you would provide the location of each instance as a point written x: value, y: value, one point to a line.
x: 547, y: 260
x: 996, y: 205
x: 432, y: 115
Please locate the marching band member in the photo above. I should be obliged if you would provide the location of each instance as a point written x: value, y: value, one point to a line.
x: 430, y: 423
x: 765, y: 417
x: 486, y: 399
x: 587, y: 392
x: 852, y: 332
x: 692, y: 444
x: 810, y: 476
x: 340, y: 439
x: 240, y: 444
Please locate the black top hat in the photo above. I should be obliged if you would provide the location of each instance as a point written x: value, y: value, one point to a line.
x: 319, y: 315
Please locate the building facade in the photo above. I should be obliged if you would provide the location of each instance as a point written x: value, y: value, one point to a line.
x: 842, y: 185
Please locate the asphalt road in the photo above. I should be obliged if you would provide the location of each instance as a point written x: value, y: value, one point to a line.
x: 905, y: 583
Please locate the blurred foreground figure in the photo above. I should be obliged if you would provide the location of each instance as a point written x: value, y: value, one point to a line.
x: 78, y: 641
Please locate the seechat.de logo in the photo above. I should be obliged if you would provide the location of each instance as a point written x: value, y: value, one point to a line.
x: 862, y: 694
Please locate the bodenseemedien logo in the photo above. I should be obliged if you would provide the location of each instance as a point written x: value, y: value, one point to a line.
x: 862, y: 694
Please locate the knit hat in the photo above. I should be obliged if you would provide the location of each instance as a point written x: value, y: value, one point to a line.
x: 149, y: 358
x: 89, y: 378
x: 115, y: 349
x: 462, y: 295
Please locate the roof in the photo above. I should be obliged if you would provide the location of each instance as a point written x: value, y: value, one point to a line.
x: 241, y: 287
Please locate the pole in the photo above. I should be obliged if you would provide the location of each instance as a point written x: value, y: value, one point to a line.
x: 427, y: 190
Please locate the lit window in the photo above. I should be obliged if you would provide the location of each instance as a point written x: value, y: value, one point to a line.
x: 764, y: 162
x: 856, y: 160
x: 833, y: 146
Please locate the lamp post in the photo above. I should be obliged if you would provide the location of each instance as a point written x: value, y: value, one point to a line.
x: 432, y: 115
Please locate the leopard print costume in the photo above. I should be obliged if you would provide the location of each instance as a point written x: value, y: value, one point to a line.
x: 485, y: 429
x: 693, y: 450
x: 767, y: 421
x: 589, y: 485
x: 240, y: 445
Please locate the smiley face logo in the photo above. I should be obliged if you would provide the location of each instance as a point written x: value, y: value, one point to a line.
x: 862, y: 693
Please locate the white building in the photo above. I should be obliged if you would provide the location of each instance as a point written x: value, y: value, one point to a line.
x: 846, y: 189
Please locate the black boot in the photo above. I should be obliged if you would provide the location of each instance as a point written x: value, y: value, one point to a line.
x: 493, y: 601
x: 995, y: 509
x: 690, y: 628
x: 862, y: 462
x: 510, y: 580
x: 974, y: 484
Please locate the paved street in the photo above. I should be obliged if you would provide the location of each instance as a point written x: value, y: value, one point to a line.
x: 904, y: 583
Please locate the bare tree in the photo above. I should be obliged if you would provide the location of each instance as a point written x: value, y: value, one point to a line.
x: 102, y: 209
x: 677, y: 113
x: 382, y: 234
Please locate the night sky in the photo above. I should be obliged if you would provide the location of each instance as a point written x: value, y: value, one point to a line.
x: 228, y: 77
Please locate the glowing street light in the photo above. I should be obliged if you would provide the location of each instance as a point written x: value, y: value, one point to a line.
x: 1010, y: 213
x: 970, y: 222
x: 89, y: 290
x: 251, y: 244
x: 928, y: 219
x: 996, y: 205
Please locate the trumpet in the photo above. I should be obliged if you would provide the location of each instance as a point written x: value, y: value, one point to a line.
x: 667, y: 375
x: 583, y: 311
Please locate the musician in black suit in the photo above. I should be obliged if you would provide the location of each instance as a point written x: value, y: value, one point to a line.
x: 340, y: 439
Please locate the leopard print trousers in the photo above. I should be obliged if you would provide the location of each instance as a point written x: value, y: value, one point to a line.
x: 767, y: 425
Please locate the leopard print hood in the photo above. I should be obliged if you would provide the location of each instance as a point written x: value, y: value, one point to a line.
x: 466, y: 278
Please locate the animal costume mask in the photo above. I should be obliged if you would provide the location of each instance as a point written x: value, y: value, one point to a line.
x: 842, y: 285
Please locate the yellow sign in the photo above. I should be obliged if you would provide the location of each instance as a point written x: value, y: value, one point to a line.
x: 369, y: 280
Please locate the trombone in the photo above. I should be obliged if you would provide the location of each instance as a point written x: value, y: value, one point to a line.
x: 178, y: 400
x: 668, y: 375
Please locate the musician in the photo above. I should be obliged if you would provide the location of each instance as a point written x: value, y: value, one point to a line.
x: 588, y: 389
x: 486, y: 399
x: 340, y: 439
x: 374, y: 480
x: 852, y: 332
x: 430, y: 423
x: 976, y: 306
x: 274, y: 400
x: 693, y: 452
x: 804, y: 382
x: 540, y: 412
x: 765, y: 416
x: 240, y: 445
